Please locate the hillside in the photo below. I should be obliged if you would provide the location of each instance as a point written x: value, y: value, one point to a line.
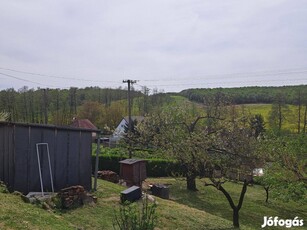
x: 290, y: 112
x: 15, y: 214
x: 251, y: 95
x: 206, y: 209
x: 106, y: 107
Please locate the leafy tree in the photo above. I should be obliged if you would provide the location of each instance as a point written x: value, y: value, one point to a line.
x: 267, y: 180
x: 278, y: 112
x: 213, y: 141
x: 4, y: 116
x: 131, y: 137
x: 285, y: 174
x: 91, y: 110
x: 176, y: 132
x: 113, y: 114
x: 234, y: 150
x: 257, y: 125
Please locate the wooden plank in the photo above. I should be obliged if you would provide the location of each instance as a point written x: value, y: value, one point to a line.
x: 73, y: 158
x: 36, y: 136
x: 60, y: 165
x: 11, y: 152
x: 21, y: 134
x: 2, y: 147
x: 85, y: 166
x: 6, y: 156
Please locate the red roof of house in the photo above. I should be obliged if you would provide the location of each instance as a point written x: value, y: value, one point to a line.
x: 83, y: 123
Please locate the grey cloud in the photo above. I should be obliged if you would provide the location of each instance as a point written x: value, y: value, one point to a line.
x: 145, y: 39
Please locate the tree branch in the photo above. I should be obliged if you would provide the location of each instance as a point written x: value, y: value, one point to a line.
x: 218, y: 186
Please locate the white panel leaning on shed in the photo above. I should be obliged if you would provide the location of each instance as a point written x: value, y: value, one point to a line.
x: 39, y: 166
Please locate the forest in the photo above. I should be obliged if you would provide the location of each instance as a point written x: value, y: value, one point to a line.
x: 252, y: 95
x: 105, y: 107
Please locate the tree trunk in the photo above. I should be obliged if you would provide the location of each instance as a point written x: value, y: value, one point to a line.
x: 235, y: 208
x: 235, y: 218
x: 266, y: 188
x: 191, y: 182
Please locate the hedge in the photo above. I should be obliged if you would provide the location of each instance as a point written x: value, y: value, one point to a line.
x: 155, y: 167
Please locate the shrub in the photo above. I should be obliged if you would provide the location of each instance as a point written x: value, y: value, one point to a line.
x: 163, y: 168
x: 3, y: 188
x: 134, y: 216
x: 155, y: 167
x: 108, y: 162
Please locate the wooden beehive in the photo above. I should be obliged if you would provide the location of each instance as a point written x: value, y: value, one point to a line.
x: 133, y: 171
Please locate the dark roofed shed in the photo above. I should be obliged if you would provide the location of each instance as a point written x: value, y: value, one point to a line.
x: 70, y: 156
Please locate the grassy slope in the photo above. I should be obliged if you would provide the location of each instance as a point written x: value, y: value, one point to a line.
x: 14, y: 214
x: 205, y: 209
x: 211, y: 201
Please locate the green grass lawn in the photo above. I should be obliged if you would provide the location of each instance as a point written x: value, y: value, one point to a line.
x: 212, y: 201
x: 205, y: 209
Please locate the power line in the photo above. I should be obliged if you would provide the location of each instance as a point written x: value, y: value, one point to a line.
x: 230, y: 82
x: 237, y: 75
x: 25, y: 80
x: 220, y: 78
x: 208, y: 76
x: 53, y: 76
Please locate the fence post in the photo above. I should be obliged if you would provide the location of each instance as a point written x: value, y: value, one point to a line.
x: 97, y: 163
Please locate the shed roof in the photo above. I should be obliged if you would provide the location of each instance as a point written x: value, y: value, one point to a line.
x: 83, y: 123
x: 47, y: 126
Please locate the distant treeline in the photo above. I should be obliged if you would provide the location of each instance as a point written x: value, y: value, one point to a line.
x: 251, y: 95
x: 103, y: 106
x: 57, y: 106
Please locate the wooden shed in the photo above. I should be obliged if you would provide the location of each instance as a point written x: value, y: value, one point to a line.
x: 69, y: 150
x: 133, y: 171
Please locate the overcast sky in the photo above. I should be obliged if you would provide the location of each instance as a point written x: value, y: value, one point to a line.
x: 165, y: 44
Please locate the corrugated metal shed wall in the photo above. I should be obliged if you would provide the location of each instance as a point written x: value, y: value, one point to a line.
x: 6, y: 155
x: 70, y: 156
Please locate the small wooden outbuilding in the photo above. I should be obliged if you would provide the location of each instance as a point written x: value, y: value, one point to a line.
x: 69, y: 150
x: 133, y: 171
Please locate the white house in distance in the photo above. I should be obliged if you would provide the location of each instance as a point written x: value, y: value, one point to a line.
x: 120, y: 129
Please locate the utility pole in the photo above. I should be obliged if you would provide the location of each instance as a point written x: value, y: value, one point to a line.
x: 130, y: 82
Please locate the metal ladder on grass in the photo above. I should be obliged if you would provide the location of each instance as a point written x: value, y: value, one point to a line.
x: 39, y: 166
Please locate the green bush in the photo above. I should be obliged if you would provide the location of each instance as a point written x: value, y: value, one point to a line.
x: 134, y: 216
x: 155, y: 167
x: 3, y: 188
x: 163, y: 168
x: 108, y: 162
